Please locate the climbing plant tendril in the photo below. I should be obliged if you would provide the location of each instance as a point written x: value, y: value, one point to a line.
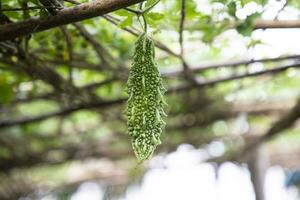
x: 145, y: 104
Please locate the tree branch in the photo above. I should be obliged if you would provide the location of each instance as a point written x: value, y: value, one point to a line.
x: 63, y: 17
x: 267, y: 24
x: 181, y: 26
x: 282, y: 124
x: 186, y: 69
x: 52, y: 95
x: 234, y: 77
x: 65, y: 111
x: 237, y: 63
x: 98, y: 47
x: 103, y: 104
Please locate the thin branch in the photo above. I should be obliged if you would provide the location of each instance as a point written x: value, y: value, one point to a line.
x: 281, y: 9
x: 71, y: 151
x: 203, y: 116
x: 234, y: 77
x: 282, y: 124
x: 34, y: 69
x: 262, y: 24
x: 186, y: 69
x: 150, y: 7
x: 181, y: 26
x: 137, y: 12
x: 62, y: 112
x: 136, y: 32
x: 102, y: 104
x: 80, y: 64
x: 140, y: 12
x: 69, y: 43
x: 172, y: 71
x: 277, y: 128
x: 172, y: 74
x: 53, y: 95
x: 99, y: 49
x: 271, y: 24
x: 238, y: 63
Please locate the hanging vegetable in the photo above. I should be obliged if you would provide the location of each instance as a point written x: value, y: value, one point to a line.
x: 145, y: 104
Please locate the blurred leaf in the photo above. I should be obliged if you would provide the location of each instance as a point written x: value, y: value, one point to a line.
x: 126, y: 22
x: 123, y: 13
x: 155, y: 16
x: 246, y: 27
x: 232, y: 8
x: 6, y: 90
x: 150, y: 2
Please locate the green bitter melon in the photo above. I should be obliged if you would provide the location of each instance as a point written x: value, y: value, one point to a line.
x: 145, y: 104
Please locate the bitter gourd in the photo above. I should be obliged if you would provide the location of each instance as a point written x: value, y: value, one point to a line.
x: 145, y: 103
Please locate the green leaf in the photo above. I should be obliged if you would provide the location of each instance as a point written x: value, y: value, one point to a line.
x: 150, y: 2
x: 232, y: 8
x: 123, y: 13
x: 191, y: 9
x: 126, y: 22
x: 6, y: 90
x: 155, y: 16
x: 246, y: 28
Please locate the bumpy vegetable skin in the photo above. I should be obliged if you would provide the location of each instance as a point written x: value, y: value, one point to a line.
x: 145, y: 104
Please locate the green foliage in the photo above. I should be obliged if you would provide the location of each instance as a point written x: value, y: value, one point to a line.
x: 232, y: 8
x: 203, y: 112
x: 150, y: 2
x: 6, y: 90
x: 295, y: 3
x: 154, y: 18
x: 246, y: 27
x: 126, y: 22
x: 145, y: 104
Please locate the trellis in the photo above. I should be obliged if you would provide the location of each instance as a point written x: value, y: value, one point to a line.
x: 85, y: 96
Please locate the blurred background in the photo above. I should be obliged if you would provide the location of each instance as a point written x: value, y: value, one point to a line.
x: 231, y: 70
